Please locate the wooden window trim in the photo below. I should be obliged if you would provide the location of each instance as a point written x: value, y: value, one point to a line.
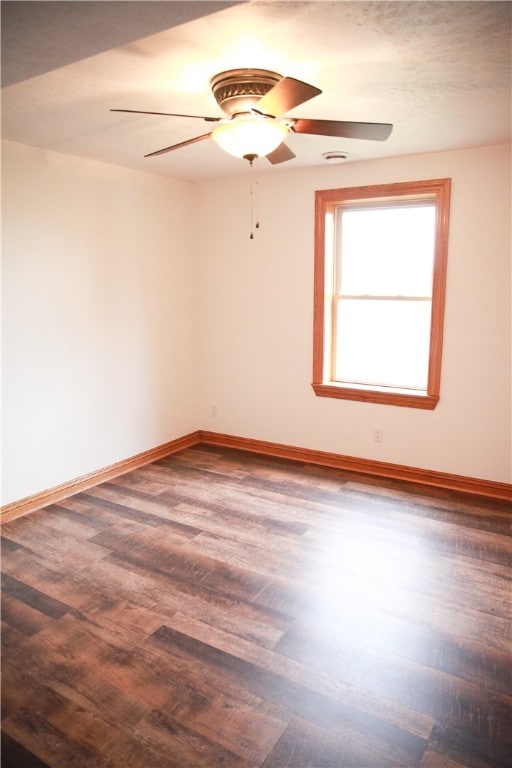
x: 326, y: 201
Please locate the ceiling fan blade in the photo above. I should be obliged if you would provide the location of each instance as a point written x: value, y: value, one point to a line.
x: 178, y: 146
x: 286, y: 94
x: 281, y: 154
x: 345, y: 130
x: 166, y: 114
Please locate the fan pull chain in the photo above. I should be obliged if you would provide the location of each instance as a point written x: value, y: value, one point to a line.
x: 253, y: 197
x: 257, y: 181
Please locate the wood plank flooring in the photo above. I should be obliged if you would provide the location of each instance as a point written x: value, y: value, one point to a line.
x: 218, y: 609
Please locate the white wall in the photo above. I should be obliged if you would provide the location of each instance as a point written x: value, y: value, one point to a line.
x: 124, y: 321
x: 256, y: 312
x: 98, y: 332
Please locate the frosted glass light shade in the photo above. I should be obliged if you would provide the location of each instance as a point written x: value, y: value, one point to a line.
x: 250, y: 135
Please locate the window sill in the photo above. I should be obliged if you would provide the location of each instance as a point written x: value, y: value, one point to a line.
x: 403, y: 399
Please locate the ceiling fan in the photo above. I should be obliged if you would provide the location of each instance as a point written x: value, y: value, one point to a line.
x: 254, y: 101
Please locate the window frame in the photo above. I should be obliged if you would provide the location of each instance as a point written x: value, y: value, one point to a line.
x: 326, y: 203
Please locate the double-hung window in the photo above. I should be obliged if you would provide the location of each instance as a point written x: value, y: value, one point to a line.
x: 380, y: 273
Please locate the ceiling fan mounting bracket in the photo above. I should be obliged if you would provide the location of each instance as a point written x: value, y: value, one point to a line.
x: 238, y: 90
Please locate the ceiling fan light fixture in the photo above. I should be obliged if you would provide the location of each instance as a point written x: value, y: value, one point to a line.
x: 250, y: 135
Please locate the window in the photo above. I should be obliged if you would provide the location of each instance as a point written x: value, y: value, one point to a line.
x: 380, y: 273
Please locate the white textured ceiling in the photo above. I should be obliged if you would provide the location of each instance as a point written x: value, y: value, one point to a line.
x: 439, y: 71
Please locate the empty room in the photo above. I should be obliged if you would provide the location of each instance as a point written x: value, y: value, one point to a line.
x: 256, y: 384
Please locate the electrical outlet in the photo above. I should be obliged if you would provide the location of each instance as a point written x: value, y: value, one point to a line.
x: 213, y: 411
x: 378, y: 435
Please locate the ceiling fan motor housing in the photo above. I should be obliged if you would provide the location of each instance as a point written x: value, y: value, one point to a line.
x: 238, y: 90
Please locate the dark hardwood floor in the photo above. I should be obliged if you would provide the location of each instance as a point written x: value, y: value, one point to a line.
x: 217, y: 609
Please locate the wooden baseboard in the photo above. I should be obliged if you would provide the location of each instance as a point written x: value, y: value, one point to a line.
x: 423, y: 477
x: 487, y: 488
x: 53, y: 495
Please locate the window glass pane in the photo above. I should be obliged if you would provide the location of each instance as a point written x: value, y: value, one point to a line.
x: 386, y: 251
x: 383, y: 343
